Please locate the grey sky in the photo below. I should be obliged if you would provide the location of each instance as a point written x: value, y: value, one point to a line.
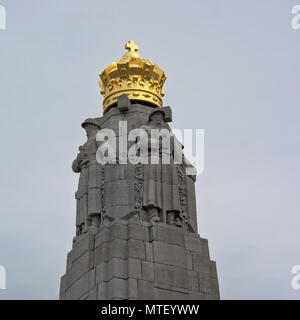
x: 233, y: 69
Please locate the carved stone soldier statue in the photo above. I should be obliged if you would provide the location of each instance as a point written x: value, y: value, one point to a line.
x: 136, y: 222
x: 88, y: 194
x: 161, y: 192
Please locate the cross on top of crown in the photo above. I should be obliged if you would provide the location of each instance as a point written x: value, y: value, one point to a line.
x: 131, y: 46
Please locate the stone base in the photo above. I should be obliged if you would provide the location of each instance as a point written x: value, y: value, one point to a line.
x: 132, y: 260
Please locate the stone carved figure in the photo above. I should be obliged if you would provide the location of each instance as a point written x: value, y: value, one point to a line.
x: 153, y: 214
x: 179, y: 219
x: 88, y: 195
x: 161, y: 193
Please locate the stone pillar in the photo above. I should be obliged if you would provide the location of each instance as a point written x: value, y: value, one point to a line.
x: 131, y: 260
x: 126, y: 253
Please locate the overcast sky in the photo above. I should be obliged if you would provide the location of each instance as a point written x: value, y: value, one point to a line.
x: 233, y: 70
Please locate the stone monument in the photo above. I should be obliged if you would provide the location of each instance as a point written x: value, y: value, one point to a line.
x: 136, y: 221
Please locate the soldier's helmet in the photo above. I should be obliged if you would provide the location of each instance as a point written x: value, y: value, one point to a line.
x: 90, y: 121
x: 157, y: 110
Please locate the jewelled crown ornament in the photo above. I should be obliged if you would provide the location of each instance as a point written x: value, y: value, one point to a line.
x: 138, y: 78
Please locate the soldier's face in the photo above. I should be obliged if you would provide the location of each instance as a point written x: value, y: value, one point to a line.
x: 154, y: 211
x: 157, y: 117
x: 90, y: 129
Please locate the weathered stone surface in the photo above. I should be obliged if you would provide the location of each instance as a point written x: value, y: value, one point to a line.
x: 69, y: 261
x: 205, y: 282
x: 193, y: 279
x: 147, y: 271
x: 136, y: 227
x: 115, y: 210
x: 214, y: 285
x: 138, y: 231
x: 108, y: 234
x: 93, y: 293
x: 170, y: 275
x: 145, y: 290
x: 149, y: 251
x: 208, y: 296
x: 205, y: 250
x: 115, y: 267
x: 134, y: 268
x: 189, y: 261
x: 102, y: 236
x: 213, y: 269
x: 176, y: 295
x: 162, y: 294
x: 167, y: 234
x: 118, y: 248
x: 137, y: 249
x: 201, y: 264
x: 102, y: 253
x: 117, y: 193
x: 194, y: 244
x: 80, y: 247
x: 117, y: 288
x: 78, y: 288
x: 133, y: 289
x: 180, y: 290
x: 102, y: 291
x: 119, y: 231
x: 92, y: 278
x: 163, y: 286
x: 123, y: 103
x: 168, y: 111
x: 169, y: 254
x: 196, y: 295
x: 126, y: 259
x: 79, y: 267
x: 191, y: 200
x: 63, y: 284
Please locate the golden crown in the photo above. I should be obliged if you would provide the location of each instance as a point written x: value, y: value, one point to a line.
x: 134, y: 76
